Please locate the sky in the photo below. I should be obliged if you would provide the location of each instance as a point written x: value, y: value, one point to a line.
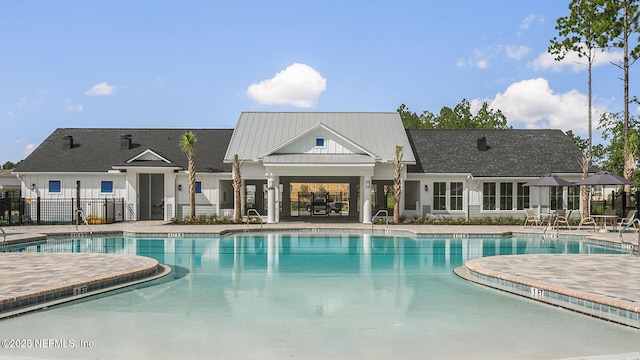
x: 199, y: 64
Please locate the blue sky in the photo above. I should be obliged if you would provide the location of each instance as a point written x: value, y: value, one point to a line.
x: 198, y: 64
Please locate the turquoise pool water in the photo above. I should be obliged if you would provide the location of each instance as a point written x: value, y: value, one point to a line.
x: 315, y: 296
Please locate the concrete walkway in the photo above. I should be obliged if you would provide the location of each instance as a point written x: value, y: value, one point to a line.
x: 604, y: 286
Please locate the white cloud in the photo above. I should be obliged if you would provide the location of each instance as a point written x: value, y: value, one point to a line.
x: 546, y: 61
x: 526, y: 23
x: 516, y: 52
x: 533, y: 104
x: 9, y: 113
x: 481, y: 58
x: 28, y: 149
x: 298, y: 85
x: 70, y: 107
x: 101, y: 89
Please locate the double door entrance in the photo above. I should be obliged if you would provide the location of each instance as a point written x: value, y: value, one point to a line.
x: 151, y: 197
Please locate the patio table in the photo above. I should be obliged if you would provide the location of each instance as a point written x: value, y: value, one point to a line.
x: 604, y: 219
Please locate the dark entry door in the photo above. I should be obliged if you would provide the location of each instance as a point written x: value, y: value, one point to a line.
x: 151, y: 191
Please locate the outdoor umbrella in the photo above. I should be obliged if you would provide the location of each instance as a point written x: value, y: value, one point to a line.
x: 604, y: 178
x: 547, y: 181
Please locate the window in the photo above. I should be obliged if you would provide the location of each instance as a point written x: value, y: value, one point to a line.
x: 555, y: 194
x: 439, y: 196
x: 320, y: 142
x: 455, y: 199
x: 106, y: 186
x: 489, y: 196
x: 54, y: 186
x: 523, y: 199
x: 573, y: 200
x: 198, y: 187
x: 506, y: 196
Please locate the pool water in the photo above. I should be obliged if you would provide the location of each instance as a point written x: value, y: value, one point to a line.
x: 315, y: 296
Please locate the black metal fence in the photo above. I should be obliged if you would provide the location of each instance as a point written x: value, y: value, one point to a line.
x: 12, y: 210
x: 65, y: 211
x: 618, y: 200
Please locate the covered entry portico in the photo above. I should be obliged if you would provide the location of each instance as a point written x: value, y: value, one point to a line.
x: 286, y: 148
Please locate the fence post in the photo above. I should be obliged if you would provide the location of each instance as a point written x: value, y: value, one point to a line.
x: 38, y: 208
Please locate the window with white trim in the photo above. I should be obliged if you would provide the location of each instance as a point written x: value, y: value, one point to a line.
x: 455, y: 197
x: 506, y: 196
x: 439, y: 196
x: 573, y: 197
x: 489, y: 196
x: 54, y: 186
x: 523, y: 198
x: 555, y: 195
x: 106, y: 186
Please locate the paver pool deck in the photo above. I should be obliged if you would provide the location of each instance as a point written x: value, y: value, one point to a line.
x: 604, y: 286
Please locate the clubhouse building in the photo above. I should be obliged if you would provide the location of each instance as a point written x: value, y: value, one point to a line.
x: 302, y: 164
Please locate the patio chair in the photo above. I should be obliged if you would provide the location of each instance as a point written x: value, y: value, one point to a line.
x: 562, y: 219
x: 584, y: 221
x: 628, y: 220
x: 531, y: 218
x: 611, y: 221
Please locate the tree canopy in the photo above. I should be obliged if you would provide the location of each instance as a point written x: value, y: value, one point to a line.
x: 460, y: 117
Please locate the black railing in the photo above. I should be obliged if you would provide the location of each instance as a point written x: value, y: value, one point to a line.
x: 12, y: 210
x: 63, y: 211
x: 617, y: 200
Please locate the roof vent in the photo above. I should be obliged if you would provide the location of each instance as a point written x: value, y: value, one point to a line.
x: 125, y: 142
x: 482, y: 144
x: 67, y: 142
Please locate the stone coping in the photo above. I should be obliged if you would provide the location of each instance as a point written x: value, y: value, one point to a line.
x: 37, y: 280
x: 602, y: 286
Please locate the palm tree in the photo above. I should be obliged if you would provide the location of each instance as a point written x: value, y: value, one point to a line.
x: 237, y: 188
x: 397, y: 183
x: 187, y: 144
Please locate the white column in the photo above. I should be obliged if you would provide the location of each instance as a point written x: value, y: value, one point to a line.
x: 218, y: 196
x: 131, y: 197
x: 278, y: 199
x: 271, y: 200
x: 365, y: 196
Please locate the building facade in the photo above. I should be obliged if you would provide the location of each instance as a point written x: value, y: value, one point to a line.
x: 453, y: 173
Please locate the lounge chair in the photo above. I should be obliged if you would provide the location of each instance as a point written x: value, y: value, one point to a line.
x: 584, y: 221
x: 531, y: 218
x: 562, y: 219
x: 628, y: 220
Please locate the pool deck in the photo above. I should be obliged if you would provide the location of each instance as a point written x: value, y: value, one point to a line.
x: 604, y: 286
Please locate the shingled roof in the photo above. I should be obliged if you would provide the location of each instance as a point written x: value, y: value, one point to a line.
x: 99, y: 150
x: 507, y: 153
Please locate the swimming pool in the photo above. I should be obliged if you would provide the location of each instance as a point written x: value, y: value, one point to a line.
x: 315, y: 296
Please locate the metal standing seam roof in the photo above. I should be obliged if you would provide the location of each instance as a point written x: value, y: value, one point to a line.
x: 259, y: 133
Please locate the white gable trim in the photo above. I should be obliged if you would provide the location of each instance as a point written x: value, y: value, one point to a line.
x: 310, y: 130
x: 148, y: 155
